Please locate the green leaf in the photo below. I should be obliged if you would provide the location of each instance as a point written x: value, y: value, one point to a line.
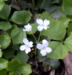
x: 17, y: 35
x: 4, y: 40
x: 5, y: 12
x: 2, y: 0
x: 45, y: 15
x: 69, y: 29
x: 22, y: 57
x: 3, y: 64
x: 3, y: 72
x: 21, y: 17
x: 59, y: 51
x: 9, y: 53
x: 5, y: 26
x: 1, y: 53
x: 1, y: 5
x: 26, y: 69
x: 57, y: 28
x: 14, y: 66
x: 68, y: 42
x: 14, y: 73
x: 67, y: 7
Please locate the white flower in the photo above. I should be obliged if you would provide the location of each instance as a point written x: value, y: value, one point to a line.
x: 27, y: 27
x: 42, y: 24
x: 44, y: 49
x: 27, y: 46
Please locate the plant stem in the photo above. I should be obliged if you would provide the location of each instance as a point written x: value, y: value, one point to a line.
x: 34, y: 38
x: 35, y: 52
x: 39, y: 36
x: 33, y: 3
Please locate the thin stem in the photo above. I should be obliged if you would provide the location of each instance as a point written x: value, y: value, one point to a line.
x: 35, y: 52
x: 33, y: 3
x: 34, y: 38
x: 39, y: 36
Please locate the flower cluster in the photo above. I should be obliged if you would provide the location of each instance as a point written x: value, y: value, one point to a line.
x: 42, y: 24
x: 42, y: 47
x: 27, y: 28
x: 27, y: 46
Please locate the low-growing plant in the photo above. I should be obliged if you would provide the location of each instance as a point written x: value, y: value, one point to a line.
x: 34, y: 31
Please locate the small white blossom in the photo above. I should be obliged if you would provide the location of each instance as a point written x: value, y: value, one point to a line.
x: 27, y: 46
x: 42, y: 24
x: 44, y: 49
x: 27, y: 27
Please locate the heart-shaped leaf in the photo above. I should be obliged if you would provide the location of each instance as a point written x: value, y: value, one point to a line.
x: 4, y: 40
x: 3, y: 64
x: 21, y: 17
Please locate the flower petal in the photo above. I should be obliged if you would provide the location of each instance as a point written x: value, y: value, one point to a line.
x: 39, y: 21
x: 45, y: 43
x: 45, y: 27
x: 46, y: 22
x: 43, y: 52
x: 27, y: 27
x: 48, y: 50
x: 30, y: 44
x: 27, y: 50
x: 40, y: 28
x: 25, y: 41
x: 22, y: 47
x: 39, y: 46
